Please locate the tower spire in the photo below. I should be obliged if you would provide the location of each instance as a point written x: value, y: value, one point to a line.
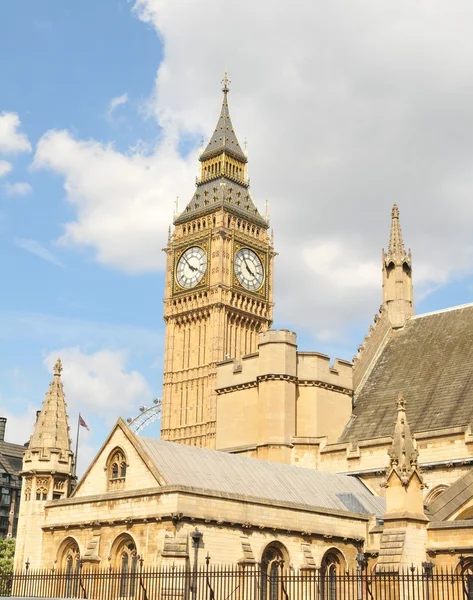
x: 224, y: 139
x: 223, y: 181
x: 47, y: 470
x: 396, y: 248
x: 398, y: 295
x: 51, y: 432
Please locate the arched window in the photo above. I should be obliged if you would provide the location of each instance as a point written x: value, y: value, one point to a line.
x: 69, y: 564
x: 274, y: 558
x: 41, y: 494
x: 116, y: 469
x: 125, y: 559
x: 434, y: 494
x: 331, y: 566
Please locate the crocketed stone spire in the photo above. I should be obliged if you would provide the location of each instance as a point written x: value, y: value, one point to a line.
x: 403, y: 453
x: 51, y: 432
x: 398, y: 294
x: 396, y: 251
x: 224, y: 181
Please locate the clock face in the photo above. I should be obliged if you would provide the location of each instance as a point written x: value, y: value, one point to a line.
x: 249, y: 269
x: 191, y: 267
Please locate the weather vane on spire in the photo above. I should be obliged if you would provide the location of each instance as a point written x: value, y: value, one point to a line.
x: 226, y: 82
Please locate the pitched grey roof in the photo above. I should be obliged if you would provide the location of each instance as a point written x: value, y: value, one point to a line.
x: 216, y: 471
x: 224, y: 138
x: 430, y: 360
x: 222, y: 192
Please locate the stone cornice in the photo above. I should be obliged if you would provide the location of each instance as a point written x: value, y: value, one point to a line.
x: 284, y: 377
x: 176, y: 518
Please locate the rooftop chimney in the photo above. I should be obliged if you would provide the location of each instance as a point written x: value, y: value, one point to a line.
x: 3, y: 425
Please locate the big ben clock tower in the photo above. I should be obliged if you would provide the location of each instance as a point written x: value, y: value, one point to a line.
x: 219, y: 286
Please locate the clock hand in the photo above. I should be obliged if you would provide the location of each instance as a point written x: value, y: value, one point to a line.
x: 189, y: 265
x: 248, y: 268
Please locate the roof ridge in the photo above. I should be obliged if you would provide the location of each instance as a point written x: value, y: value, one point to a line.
x: 442, y: 310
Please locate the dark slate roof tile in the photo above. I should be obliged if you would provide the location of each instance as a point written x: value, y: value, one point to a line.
x: 430, y: 360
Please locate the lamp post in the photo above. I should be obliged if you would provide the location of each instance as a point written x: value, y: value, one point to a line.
x: 196, y: 536
x: 361, y: 563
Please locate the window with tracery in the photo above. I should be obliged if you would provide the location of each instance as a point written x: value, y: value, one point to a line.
x: 116, y: 469
x: 41, y: 493
x: 126, y: 561
x: 331, y: 566
x: 42, y: 485
x: 272, y: 567
x: 70, y: 564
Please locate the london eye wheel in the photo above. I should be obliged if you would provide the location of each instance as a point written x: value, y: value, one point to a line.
x: 147, y: 415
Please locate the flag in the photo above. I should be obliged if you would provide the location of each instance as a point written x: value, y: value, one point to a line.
x: 82, y: 423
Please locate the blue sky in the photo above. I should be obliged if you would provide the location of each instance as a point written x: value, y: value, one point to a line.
x: 363, y: 105
x: 61, y: 64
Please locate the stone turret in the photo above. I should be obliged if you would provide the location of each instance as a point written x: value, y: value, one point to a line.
x: 47, y: 471
x: 398, y: 295
x: 404, y: 539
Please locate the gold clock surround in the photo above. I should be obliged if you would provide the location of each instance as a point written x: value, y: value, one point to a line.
x: 204, y: 245
x: 262, y: 291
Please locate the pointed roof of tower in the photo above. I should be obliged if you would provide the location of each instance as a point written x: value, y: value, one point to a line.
x: 51, y: 431
x: 224, y: 138
x: 396, y: 252
x: 403, y: 453
x: 221, y: 190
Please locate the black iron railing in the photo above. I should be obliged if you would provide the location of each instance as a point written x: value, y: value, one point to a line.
x: 241, y: 582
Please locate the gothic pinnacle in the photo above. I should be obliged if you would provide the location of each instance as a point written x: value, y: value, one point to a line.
x: 403, y: 453
x: 396, y: 250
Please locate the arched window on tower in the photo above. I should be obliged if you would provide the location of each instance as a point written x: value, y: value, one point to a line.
x: 41, y: 494
x: 116, y: 469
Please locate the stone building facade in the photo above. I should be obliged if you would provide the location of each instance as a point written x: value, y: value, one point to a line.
x: 279, y: 451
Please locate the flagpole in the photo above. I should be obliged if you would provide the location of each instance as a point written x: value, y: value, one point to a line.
x: 77, y: 445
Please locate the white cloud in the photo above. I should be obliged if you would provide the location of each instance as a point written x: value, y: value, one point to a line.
x: 123, y: 202
x: 349, y: 106
x: 116, y: 102
x: 21, y: 188
x: 19, y: 426
x: 11, y: 140
x: 99, y: 383
x: 38, y: 249
x: 5, y: 168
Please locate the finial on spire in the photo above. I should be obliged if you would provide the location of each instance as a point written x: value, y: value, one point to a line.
x: 226, y: 83
x: 58, y: 367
